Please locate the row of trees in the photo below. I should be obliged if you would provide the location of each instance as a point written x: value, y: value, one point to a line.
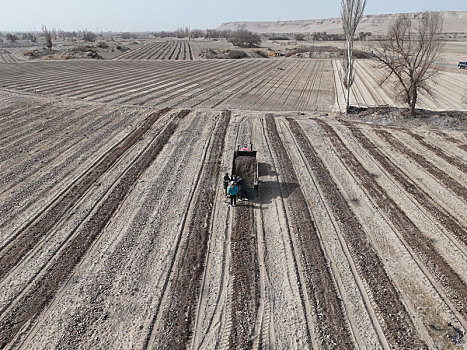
x: 407, y: 55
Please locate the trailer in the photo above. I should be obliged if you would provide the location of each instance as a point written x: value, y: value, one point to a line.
x: 245, y: 165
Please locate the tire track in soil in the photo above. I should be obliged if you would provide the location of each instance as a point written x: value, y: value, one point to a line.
x: 176, y: 320
x: 454, y: 286
x: 28, y: 236
x: 423, y: 198
x: 45, y: 287
x: 439, y: 152
x: 396, y: 322
x: 245, y: 273
x: 333, y: 329
x: 447, y: 181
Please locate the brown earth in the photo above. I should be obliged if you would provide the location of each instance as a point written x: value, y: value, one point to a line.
x: 115, y: 231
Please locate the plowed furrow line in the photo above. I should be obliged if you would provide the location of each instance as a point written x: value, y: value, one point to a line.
x: 87, y: 84
x: 157, y: 203
x: 142, y: 88
x: 453, y: 284
x: 228, y: 82
x: 332, y: 326
x: 135, y: 84
x: 23, y: 170
x: 191, y: 51
x: 423, y: 198
x: 260, y: 87
x: 155, y: 51
x: 301, y: 101
x: 174, y: 322
x: 43, y: 289
x: 245, y: 271
x: 27, y: 237
x: 399, y: 331
x: 35, y: 80
x: 26, y: 196
x: 439, y: 152
x: 212, y: 75
x: 448, y: 181
x: 449, y: 138
x: 16, y: 133
x: 290, y: 87
x: 278, y: 85
x: 21, y: 118
x: 165, y: 80
x: 45, y: 130
x: 250, y: 80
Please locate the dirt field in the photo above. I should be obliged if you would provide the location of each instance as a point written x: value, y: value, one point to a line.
x: 115, y: 232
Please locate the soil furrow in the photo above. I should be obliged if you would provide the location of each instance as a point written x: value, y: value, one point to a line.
x: 332, y: 326
x: 439, y: 152
x: 454, y: 286
x: 423, y: 198
x: 27, y: 237
x: 245, y: 272
x: 176, y: 319
x: 396, y: 321
x: 43, y: 289
x: 448, y: 181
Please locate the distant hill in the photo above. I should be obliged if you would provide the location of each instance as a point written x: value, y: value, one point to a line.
x: 454, y: 22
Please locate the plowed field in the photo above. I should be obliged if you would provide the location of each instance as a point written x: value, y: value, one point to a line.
x: 115, y: 232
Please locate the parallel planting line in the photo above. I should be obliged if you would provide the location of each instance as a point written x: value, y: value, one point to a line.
x: 27, y: 237
x: 453, y: 284
x: 439, y: 152
x: 396, y: 321
x: 245, y: 271
x: 58, y: 270
x: 448, y: 181
x: 333, y: 329
x: 175, y: 322
x: 423, y: 198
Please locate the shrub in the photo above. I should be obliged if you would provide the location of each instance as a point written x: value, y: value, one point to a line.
x: 236, y: 54
x: 89, y: 36
x: 299, y: 37
x: 243, y: 37
x: 102, y: 45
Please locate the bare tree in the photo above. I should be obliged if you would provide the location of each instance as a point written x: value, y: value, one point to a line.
x: 409, y: 55
x: 351, y: 14
x: 48, y: 37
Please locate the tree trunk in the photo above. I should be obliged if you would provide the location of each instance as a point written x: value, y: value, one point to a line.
x: 349, y: 76
x: 413, y: 102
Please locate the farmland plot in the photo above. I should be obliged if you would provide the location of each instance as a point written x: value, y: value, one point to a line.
x: 166, y: 50
x: 450, y: 91
x: 250, y: 84
x: 115, y: 232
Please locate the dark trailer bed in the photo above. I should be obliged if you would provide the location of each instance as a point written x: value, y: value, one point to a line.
x: 245, y: 165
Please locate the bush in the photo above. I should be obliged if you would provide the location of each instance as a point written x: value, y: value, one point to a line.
x: 89, y: 36
x: 261, y: 53
x: 11, y: 37
x: 102, y: 45
x: 299, y: 37
x: 237, y: 54
x: 244, y: 37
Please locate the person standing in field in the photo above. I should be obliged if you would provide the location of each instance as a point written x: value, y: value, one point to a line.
x: 232, y: 190
x: 225, y: 182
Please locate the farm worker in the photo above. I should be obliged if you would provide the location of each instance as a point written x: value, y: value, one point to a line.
x: 225, y: 182
x: 241, y: 188
x: 232, y: 190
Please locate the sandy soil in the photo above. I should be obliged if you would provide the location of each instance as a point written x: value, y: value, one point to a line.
x: 115, y: 232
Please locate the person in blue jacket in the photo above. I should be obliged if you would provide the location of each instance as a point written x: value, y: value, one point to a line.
x: 232, y: 190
